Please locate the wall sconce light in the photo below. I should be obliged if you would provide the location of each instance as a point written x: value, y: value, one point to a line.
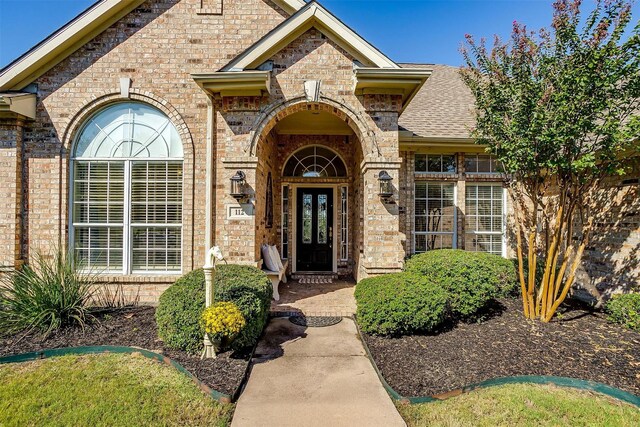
x: 237, y: 185
x: 386, y: 190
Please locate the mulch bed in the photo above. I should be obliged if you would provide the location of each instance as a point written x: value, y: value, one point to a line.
x: 579, y: 344
x: 135, y: 327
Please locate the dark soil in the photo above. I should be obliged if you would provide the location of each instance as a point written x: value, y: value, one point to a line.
x: 135, y: 327
x: 578, y: 344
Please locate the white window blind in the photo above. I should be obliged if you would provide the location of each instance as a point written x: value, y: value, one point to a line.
x: 98, y: 211
x: 484, y: 220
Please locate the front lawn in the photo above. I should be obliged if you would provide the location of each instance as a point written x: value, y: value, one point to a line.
x: 113, y: 390
x: 522, y: 405
x: 134, y: 327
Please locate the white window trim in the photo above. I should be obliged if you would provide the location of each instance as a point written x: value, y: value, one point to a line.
x: 344, y: 213
x: 428, y: 173
x: 437, y: 233
x: 127, y: 226
x: 494, y: 173
x: 284, y: 225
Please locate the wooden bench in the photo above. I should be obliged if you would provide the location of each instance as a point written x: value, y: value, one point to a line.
x: 276, y: 277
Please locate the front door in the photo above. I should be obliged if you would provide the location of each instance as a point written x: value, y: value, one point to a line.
x: 314, y: 241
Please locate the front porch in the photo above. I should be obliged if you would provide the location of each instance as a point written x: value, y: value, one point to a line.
x: 315, y: 296
x: 311, y: 187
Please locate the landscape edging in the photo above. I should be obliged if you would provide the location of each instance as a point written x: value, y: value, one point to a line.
x: 103, y: 349
x: 616, y: 393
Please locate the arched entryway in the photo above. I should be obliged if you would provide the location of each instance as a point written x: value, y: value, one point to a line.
x: 312, y: 152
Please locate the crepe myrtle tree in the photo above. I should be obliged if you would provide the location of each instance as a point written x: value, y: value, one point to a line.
x: 559, y: 109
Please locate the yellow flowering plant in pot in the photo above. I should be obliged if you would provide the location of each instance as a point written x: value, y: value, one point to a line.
x: 222, y: 322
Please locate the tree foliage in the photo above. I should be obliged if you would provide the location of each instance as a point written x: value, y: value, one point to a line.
x: 559, y: 108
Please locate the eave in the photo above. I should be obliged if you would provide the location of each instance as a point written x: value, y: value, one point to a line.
x: 400, y: 81
x: 291, y: 6
x: 244, y: 83
x: 18, y: 106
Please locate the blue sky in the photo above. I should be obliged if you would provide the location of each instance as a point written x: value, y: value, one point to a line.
x: 406, y: 30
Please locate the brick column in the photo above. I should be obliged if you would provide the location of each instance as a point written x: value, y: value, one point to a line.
x: 10, y: 194
x: 382, y: 241
x: 237, y: 230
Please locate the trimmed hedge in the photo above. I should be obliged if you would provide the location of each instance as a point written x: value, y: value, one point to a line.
x: 625, y: 309
x: 250, y: 289
x: 471, y: 279
x: 180, y: 308
x: 399, y: 304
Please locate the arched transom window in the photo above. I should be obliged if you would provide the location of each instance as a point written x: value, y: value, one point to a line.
x: 315, y: 162
x: 126, y: 199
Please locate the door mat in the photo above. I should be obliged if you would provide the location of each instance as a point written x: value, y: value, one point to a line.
x: 315, y: 280
x: 315, y: 321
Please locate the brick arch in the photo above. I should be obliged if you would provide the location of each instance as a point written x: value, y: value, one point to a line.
x: 91, y: 106
x: 268, y: 120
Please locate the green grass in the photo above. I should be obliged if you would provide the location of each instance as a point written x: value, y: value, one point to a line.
x: 103, y: 390
x: 523, y: 405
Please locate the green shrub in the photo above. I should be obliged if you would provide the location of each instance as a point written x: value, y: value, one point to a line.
x: 181, y: 306
x: 472, y: 279
x: 625, y: 309
x: 250, y: 289
x: 399, y: 304
x: 46, y: 295
x: 179, y: 310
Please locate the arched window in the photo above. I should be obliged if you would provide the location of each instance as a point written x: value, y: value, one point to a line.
x: 126, y: 198
x: 315, y: 162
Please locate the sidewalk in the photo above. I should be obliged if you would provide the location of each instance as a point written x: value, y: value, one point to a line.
x: 313, y: 377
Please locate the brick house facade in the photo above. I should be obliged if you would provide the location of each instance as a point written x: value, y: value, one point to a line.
x: 249, y: 86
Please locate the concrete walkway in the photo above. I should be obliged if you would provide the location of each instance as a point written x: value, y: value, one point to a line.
x: 313, y: 377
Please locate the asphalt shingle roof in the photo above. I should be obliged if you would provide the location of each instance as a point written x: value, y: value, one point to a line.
x: 443, y: 108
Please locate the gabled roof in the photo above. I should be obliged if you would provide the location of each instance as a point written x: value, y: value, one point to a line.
x: 69, y: 38
x: 442, y: 110
x: 312, y: 15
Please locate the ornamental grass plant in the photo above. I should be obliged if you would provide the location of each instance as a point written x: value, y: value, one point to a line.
x: 45, y: 295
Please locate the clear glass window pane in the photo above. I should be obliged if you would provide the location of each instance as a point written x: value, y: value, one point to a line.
x: 156, y: 248
x: 449, y: 164
x: 435, y: 216
x: 285, y: 222
x: 344, y: 224
x: 322, y: 219
x: 307, y: 215
x: 98, y: 248
x: 484, y: 221
x: 129, y: 130
x: 434, y: 163
x: 315, y: 162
